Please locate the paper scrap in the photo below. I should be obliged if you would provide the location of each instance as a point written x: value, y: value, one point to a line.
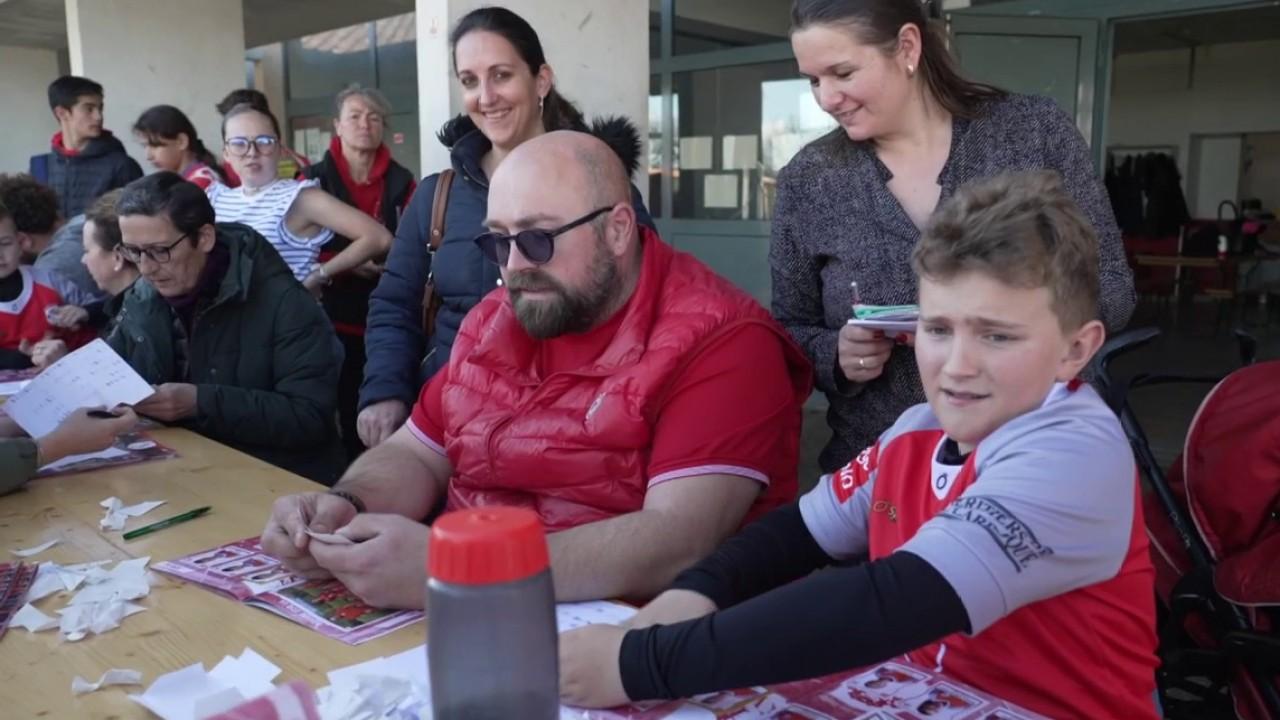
x: 28, y: 552
x: 118, y: 513
x: 114, y: 676
x: 194, y: 693
x: 92, y: 376
x: 97, y: 618
x: 68, y: 461
x: 52, y: 578
x: 32, y: 619
x: 740, y: 152
x: 330, y: 538
x: 292, y: 701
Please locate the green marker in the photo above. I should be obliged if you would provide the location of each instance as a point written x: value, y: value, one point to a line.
x: 148, y: 529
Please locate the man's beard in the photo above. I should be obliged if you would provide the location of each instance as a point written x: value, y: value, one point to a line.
x: 565, y: 311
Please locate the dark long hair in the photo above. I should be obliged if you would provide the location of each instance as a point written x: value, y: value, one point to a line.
x: 877, y: 22
x: 168, y: 122
x: 557, y: 112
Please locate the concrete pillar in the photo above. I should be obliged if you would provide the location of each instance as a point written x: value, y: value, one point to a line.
x: 598, y: 49
x: 186, y: 53
x: 25, y: 74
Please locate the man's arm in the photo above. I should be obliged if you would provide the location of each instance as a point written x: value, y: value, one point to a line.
x: 637, y: 555
x: 401, y: 476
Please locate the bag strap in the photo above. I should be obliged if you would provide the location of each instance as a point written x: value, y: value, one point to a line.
x: 439, y: 204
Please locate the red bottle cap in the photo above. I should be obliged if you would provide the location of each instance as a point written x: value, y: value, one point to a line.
x: 486, y: 545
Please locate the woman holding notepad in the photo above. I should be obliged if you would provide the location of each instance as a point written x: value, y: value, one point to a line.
x: 850, y: 205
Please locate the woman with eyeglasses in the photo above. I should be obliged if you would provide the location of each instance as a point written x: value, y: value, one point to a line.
x: 509, y: 94
x: 295, y: 216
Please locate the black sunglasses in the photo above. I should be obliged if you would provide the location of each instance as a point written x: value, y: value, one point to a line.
x: 536, y: 245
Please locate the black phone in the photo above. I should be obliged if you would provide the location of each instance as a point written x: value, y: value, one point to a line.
x: 103, y: 414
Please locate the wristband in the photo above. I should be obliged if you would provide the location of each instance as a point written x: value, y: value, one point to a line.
x: 355, y: 501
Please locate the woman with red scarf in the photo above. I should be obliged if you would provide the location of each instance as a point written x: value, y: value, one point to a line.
x: 358, y: 170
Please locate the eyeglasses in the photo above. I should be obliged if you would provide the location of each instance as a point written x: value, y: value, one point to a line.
x: 239, y: 146
x: 536, y: 244
x: 159, y: 255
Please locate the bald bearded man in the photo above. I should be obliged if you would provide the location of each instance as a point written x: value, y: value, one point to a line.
x: 638, y: 403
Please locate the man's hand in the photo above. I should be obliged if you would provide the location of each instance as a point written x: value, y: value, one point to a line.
x: 862, y: 353
x: 589, y: 673
x: 170, y: 402
x: 70, y: 317
x: 285, y: 535
x: 378, y: 421
x: 47, y: 352
x: 80, y: 433
x: 671, y: 607
x: 387, y: 565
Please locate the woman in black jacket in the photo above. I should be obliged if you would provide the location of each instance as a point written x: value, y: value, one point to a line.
x: 509, y: 98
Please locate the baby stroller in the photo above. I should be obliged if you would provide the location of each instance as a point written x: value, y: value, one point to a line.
x: 1214, y: 525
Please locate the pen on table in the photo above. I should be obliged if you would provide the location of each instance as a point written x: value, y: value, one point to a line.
x: 148, y: 529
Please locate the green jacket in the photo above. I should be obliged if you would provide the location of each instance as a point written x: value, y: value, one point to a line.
x: 262, y: 355
x: 17, y: 463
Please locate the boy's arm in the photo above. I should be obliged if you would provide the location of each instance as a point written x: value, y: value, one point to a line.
x: 833, y: 620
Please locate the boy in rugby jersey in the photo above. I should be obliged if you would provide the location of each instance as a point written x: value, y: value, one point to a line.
x: 994, y: 534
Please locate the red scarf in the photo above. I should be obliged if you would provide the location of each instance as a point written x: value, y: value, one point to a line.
x: 366, y: 196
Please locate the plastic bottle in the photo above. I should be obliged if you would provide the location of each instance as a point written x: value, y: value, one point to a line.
x: 491, y: 624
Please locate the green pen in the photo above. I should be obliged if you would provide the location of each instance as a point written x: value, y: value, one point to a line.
x: 148, y: 529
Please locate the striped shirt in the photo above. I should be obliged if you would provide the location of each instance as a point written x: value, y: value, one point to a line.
x: 265, y: 211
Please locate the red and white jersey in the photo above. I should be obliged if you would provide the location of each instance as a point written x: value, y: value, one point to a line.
x: 23, y: 318
x: 1039, y: 530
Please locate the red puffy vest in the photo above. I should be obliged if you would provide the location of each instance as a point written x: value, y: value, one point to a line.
x: 573, y: 446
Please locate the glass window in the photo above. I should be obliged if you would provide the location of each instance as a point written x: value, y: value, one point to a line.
x: 736, y: 127
x: 655, y: 29
x: 656, y: 145
x: 397, y: 55
x: 703, y: 25
x: 321, y: 65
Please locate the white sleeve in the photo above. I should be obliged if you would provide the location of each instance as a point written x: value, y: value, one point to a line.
x: 837, y: 511
x: 1052, y: 511
x: 315, y: 241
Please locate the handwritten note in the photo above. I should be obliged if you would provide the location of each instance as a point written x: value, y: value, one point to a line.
x: 93, y: 376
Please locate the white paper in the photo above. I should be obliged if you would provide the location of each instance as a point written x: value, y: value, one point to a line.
x: 80, y: 686
x: 192, y: 693
x: 741, y: 152
x: 93, y: 376
x: 28, y: 552
x: 68, y: 461
x: 330, y: 538
x: 32, y: 619
x: 79, y: 621
x: 12, y: 387
x: 117, y: 513
x: 400, y: 686
x: 597, y: 612
x: 720, y: 190
x: 695, y: 152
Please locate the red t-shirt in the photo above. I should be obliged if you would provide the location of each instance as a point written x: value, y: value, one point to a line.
x: 718, y: 419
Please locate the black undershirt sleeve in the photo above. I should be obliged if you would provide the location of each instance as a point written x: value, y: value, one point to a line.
x: 771, y: 551
x: 838, y: 619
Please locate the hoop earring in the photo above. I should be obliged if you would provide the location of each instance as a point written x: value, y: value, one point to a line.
x: 541, y: 100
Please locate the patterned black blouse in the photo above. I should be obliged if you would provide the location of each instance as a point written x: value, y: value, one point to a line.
x: 837, y: 222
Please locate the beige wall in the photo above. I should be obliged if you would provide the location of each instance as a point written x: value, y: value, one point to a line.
x: 186, y: 53
x: 25, y: 74
x: 599, y: 50
x: 1234, y: 90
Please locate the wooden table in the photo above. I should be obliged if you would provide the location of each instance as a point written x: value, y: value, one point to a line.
x: 184, y: 623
